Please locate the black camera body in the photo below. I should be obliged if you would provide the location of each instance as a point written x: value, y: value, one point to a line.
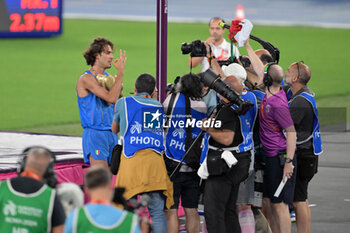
x: 227, y: 62
x: 244, y: 60
x: 196, y: 48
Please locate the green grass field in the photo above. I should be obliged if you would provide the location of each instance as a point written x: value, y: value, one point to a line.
x: 37, y: 84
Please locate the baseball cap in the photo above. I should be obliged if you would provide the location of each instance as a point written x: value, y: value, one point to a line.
x: 236, y: 70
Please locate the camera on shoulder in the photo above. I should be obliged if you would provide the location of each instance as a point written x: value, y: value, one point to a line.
x: 196, y: 48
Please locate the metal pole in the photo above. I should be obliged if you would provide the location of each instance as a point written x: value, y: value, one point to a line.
x: 162, y: 32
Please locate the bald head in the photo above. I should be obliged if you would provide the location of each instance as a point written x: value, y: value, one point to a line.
x: 264, y: 56
x: 302, y: 71
x: 276, y: 73
x: 234, y: 83
x: 37, y: 161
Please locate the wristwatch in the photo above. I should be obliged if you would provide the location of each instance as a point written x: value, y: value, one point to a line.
x: 289, y: 160
x: 211, y: 58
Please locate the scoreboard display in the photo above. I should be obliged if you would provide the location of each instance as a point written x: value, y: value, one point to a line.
x: 30, y: 18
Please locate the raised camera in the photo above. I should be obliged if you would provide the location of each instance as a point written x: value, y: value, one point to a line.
x: 196, y: 48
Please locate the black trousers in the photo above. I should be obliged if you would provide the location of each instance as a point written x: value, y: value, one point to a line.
x: 220, y: 198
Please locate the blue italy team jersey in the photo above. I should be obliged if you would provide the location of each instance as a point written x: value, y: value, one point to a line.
x: 94, y: 112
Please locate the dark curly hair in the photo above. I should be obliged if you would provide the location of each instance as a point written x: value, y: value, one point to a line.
x: 191, y: 86
x: 96, y: 47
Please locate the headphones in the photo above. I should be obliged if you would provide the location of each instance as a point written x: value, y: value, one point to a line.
x: 49, y: 176
x: 268, y: 81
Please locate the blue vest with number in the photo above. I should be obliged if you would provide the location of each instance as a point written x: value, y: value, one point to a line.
x: 144, y: 128
x: 95, y: 113
x: 176, y: 135
x: 247, y: 122
x: 316, y: 134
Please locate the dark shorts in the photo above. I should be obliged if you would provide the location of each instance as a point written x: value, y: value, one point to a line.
x: 307, y: 167
x: 272, y: 178
x: 246, y: 190
x: 186, y: 186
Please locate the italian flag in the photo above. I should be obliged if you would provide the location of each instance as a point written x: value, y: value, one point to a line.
x: 97, y: 152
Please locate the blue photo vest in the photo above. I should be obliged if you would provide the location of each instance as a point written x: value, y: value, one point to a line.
x: 205, y: 147
x: 316, y: 134
x: 247, y: 122
x: 259, y: 95
x: 144, y: 128
x: 176, y: 134
x: 94, y: 112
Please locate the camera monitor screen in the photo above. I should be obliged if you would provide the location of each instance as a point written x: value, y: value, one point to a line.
x: 30, y: 18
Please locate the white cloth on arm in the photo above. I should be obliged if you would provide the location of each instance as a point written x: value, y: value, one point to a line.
x: 203, y: 170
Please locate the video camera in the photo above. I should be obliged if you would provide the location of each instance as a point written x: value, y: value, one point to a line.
x: 196, y: 48
x: 213, y: 81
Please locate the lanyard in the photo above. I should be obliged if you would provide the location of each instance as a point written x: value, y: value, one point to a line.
x: 104, y: 202
x: 145, y: 95
x: 263, y: 117
x: 31, y: 175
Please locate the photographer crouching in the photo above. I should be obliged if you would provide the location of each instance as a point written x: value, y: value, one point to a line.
x: 186, y: 106
x: 226, y: 167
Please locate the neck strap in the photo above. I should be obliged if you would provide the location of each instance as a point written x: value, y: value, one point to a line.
x: 145, y: 95
x: 31, y: 175
x: 97, y: 201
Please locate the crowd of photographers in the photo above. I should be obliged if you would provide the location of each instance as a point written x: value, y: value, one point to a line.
x: 282, y: 158
x: 238, y: 137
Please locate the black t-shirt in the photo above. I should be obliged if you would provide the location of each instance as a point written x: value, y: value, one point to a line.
x: 302, y: 114
x: 28, y: 185
x: 229, y: 120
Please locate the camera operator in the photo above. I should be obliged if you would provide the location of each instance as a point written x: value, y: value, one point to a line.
x: 139, y: 119
x: 261, y: 223
x: 275, y: 118
x: 186, y: 100
x: 220, y: 48
x: 210, y: 96
x: 222, y: 184
x: 303, y: 109
x: 42, y: 207
x: 99, y: 215
x: 246, y: 189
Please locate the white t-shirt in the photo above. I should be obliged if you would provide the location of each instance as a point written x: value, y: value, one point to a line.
x: 221, y: 52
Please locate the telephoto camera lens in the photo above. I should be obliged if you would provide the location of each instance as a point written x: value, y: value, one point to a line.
x: 212, y: 80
